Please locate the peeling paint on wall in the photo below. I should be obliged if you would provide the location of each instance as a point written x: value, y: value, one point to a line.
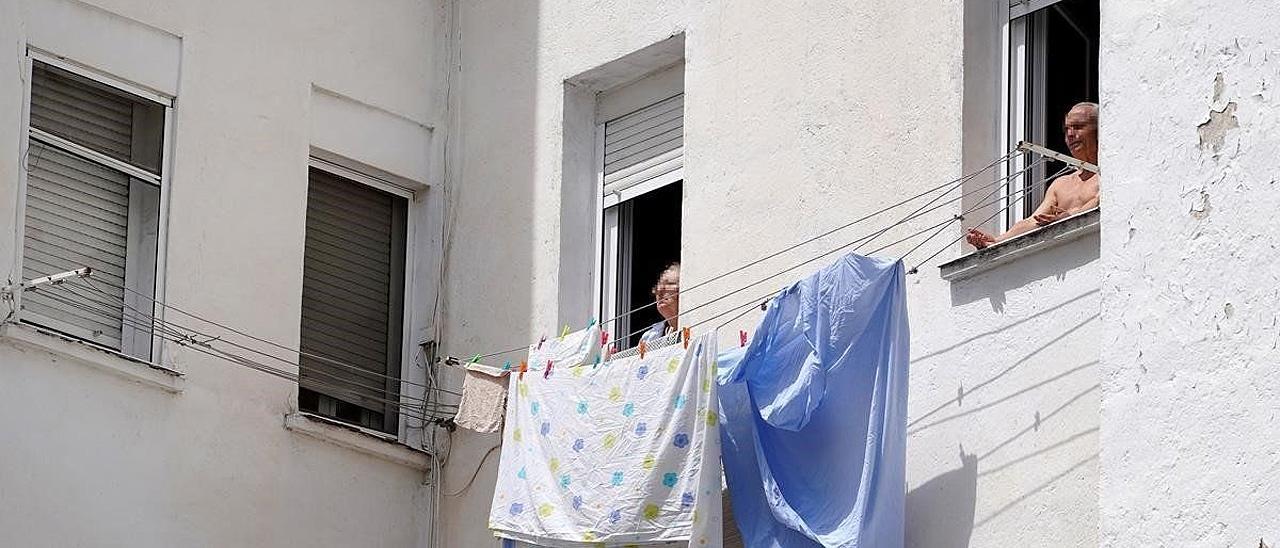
x: 1214, y: 132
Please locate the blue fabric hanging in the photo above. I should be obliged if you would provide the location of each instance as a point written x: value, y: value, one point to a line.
x: 813, y: 412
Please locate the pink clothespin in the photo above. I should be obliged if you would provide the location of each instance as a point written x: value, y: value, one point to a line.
x: 604, y: 338
x: 547, y: 373
x: 742, y: 338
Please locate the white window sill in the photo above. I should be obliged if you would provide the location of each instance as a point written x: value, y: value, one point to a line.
x: 370, y: 442
x: 142, y: 372
x: 1047, y: 237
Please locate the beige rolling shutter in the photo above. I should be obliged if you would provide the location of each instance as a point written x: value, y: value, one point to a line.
x: 352, y: 292
x: 644, y: 145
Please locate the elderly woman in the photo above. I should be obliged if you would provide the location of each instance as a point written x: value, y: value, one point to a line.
x: 667, y: 295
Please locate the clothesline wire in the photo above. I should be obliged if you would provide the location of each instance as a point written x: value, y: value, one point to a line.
x: 92, y: 285
x: 751, y: 304
x: 178, y: 337
x: 955, y: 184
x: 948, y: 245
x: 861, y: 242
x: 205, y: 347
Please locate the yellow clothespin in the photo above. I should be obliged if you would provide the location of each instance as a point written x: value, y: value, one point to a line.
x: 564, y: 332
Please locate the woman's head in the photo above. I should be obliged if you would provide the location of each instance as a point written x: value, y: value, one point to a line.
x: 667, y: 293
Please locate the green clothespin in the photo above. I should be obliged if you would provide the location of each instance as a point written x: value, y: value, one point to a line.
x: 475, y: 359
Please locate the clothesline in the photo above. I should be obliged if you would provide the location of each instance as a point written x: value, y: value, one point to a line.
x: 919, y: 212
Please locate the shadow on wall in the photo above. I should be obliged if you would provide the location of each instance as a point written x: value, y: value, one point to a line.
x: 1056, y: 263
x: 940, y: 512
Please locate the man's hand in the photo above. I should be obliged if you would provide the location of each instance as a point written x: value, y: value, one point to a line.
x: 1050, y: 215
x: 978, y: 238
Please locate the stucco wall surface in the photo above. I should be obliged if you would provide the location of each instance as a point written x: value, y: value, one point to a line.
x: 798, y: 118
x: 1190, y: 141
x: 90, y: 459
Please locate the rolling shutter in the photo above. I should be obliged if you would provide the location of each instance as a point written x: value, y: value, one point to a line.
x: 77, y: 210
x: 76, y: 215
x: 644, y: 145
x: 352, y: 293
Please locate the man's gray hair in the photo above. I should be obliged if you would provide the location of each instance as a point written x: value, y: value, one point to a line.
x: 1092, y: 108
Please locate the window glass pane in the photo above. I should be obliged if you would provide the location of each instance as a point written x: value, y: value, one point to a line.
x: 97, y: 116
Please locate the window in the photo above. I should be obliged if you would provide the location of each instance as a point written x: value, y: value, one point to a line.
x: 642, y: 180
x: 92, y: 199
x: 1052, y: 64
x: 352, y: 300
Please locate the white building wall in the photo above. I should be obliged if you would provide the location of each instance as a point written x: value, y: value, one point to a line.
x: 798, y: 118
x: 93, y: 458
x: 1191, y: 142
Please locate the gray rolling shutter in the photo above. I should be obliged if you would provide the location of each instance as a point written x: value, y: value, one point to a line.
x: 76, y: 215
x: 352, y: 293
x: 644, y: 144
x: 81, y: 111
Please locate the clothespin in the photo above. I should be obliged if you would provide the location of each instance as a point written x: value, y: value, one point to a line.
x: 684, y: 332
x: 547, y: 373
x: 564, y: 332
x: 609, y: 353
x: 523, y: 367
x: 506, y: 366
x: 604, y: 338
x: 643, y: 347
x: 540, y: 341
x: 593, y: 322
x: 475, y: 359
x: 742, y: 338
x: 597, y: 362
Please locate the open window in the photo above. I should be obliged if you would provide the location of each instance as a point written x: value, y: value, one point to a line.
x: 640, y: 146
x: 1051, y: 63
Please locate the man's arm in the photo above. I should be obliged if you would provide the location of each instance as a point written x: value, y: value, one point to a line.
x: 1043, y: 215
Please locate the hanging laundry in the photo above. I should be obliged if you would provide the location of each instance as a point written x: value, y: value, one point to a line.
x: 484, y: 399
x: 814, y: 412
x: 627, y: 452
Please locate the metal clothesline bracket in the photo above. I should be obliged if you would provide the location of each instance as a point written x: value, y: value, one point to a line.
x: 1027, y: 146
x: 54, y: 279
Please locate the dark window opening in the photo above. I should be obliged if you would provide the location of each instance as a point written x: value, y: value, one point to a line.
x: 649, y: 227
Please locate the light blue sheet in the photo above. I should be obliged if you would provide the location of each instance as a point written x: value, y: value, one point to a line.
x: 813, y: 412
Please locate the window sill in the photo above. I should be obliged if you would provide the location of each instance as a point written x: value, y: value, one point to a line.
x: 1040, y: 239
x: 133, y: 369
x: 363, y: 440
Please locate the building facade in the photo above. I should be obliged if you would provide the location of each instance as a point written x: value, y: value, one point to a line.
x: 350, y: 190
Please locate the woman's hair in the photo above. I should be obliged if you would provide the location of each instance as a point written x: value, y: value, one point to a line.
x: 675, y: 266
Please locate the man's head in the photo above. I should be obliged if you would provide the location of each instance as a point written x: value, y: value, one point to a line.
x: 667, y: 293
x: 1081, y: 127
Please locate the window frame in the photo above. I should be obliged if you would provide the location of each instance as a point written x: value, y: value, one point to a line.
x: 1022, y: 114
x: 613, y: 239
x: 133, y: 345
x: 358, y: 174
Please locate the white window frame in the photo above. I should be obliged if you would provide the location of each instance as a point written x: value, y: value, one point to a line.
x: 1023, y: 108
x: 132, y: 351
x: 337, y: 166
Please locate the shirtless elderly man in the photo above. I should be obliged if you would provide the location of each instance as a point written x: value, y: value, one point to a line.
x: 1069, y: 194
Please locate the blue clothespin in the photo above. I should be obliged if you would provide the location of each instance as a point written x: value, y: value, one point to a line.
x: 506, y: 366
